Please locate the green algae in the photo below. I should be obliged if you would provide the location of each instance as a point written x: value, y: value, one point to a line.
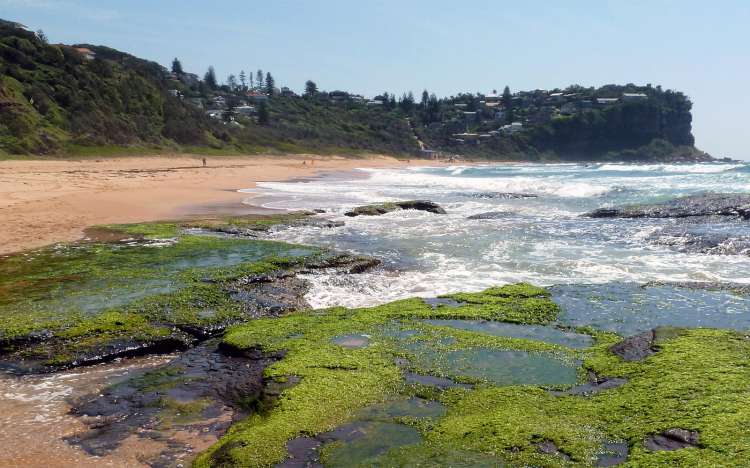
x: 59, y: 302
x: 697, y: 380
x: 336, y: 382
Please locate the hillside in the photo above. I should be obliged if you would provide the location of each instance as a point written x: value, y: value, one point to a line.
x: 59, y: 99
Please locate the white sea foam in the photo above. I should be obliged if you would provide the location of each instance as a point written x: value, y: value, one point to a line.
x: 704, y: 168
x: 540, y: 240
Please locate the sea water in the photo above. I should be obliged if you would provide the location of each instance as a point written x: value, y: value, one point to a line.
x: 544, y: 240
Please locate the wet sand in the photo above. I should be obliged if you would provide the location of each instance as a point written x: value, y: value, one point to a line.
x: 35, y: 419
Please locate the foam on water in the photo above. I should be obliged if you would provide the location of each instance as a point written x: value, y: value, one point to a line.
x: 543, y: 240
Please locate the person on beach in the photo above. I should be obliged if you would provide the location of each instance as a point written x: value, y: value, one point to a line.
x: 204, y: 162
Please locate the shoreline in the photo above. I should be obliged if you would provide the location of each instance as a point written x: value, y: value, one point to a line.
x: 43, y: 202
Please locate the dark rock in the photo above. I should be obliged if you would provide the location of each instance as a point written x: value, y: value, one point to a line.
x: 736, y: 288
x: 139, y: 404
x: 595, y: 385
x: 270, y: 299
x: 708, y: 204
x: 635, y: 348
x: 491, y: 215
x: 41, y: 359
x: 705, y: 236
x: 672, y: 439
x: 383, y: 208
x: 347, y: 263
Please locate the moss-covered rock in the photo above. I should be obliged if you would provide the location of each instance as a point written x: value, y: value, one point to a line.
x: 695, y: 381
x: 150, y: 287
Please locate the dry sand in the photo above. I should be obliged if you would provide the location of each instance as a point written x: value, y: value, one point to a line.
x: 48, y: 201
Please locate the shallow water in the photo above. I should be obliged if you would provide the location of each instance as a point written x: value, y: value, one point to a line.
x: 628, y: 308
x: 542, y: 240
x: 34, y: 416
x: 512, y: 330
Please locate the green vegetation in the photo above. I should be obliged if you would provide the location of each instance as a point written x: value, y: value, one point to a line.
x: 57, y: 99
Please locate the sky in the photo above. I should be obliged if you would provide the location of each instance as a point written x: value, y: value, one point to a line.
x: 700, y: 48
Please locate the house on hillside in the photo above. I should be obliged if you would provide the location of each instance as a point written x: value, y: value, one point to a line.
x: 197, y: 102
x: 375, y: 102
x: 219, y: 102
x: 556, y: 98
x: 286, y: 92
x: 569, y: 108
x: 174, y: 92
x: 87, y: 53
x: 603, y: 102
x: 633, y: 97
x: 256, y: 97
x: 245, y: 110
x: 514, y: 127
x: 338, y: 96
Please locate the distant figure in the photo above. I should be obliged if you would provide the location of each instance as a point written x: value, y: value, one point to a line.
x: 204, y: 162
x: 304, y: 163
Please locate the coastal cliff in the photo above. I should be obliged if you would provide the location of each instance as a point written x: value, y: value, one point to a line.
x: 86, y: 99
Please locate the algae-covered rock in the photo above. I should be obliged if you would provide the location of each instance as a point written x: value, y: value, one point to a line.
x: 635, y: 348
x: 154, y: 287
x: 383, y: 208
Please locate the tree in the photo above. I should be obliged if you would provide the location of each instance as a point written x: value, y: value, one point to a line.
x: 210, y: 78
x: 425, y: 99
x: 177, y: 67
x: 243, y: 80
x: 311, y: 89
x: 508, y: 104
x: 259, y: 79
x: 263, y: 117
x: 232, y: 82
x: 252, y: 81
x: 42, y: 37
x: 270, y: 84
x: 407, y: 103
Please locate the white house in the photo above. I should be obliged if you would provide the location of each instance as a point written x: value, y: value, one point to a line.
x: 630, y: 97
x: 245, y: 110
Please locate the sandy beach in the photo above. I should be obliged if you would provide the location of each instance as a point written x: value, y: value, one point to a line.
x: 48, y: 201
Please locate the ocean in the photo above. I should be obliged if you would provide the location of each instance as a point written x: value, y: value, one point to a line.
x: 535, y: 232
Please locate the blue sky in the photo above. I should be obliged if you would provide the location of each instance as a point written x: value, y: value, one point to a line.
x: 701, y: 48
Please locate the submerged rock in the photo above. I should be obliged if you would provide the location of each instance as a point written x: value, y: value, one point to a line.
x: 708, y: 204
x: 595, y: 385
x: 615, y: 453
x: 204, y: 389
x: 491, y: 215
x: 383, y: 208
x: 705, y: 237
x: 635, y: 348
x: 672, y: 439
